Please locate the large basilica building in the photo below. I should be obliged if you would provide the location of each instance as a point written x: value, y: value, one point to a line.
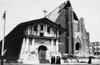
x: 76, y: 40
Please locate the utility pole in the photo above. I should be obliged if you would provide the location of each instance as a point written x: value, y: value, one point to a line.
x: 97, y: 48
x: 3, y: 41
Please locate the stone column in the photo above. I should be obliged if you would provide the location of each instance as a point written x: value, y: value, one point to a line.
x: 57, y: 46
x: 28, y: 30
x: 57, y: 33
x: 27, y: 48
x: 33, y: 45
x: 52, y: 45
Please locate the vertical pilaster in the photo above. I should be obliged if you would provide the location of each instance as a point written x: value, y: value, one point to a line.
x: 46, y: 30
x: 52, y: 45
x: 27, y: 48
x: 57, y: 46
x: 71, y: 39
x: 70, y: 33
x: 30, y: 44
x: 33, y: 44
x: 57, y: 32
x: 67, y: 46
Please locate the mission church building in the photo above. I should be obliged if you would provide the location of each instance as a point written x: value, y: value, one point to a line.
x: 41, y: 38
x: 33, y: 41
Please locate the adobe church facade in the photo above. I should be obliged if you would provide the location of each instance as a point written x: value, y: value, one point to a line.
x: 40, y: 41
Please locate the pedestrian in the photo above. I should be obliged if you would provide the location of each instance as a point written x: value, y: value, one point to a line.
x: 90, y: 58
x: 52, y: 59
x: 77, y: 60
x: 58, y: 60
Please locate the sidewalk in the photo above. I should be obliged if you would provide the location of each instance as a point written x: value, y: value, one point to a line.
x: 95, y: 61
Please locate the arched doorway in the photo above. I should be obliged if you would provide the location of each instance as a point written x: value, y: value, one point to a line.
x: 42, y: 52
x: 78, y: 46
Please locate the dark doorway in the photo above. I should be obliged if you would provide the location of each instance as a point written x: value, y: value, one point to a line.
x: 42, y: 52
x: 42, y: 34
x: 78, y: 46
x: 42, y: 47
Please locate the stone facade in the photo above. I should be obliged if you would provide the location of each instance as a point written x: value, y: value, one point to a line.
x: 76, y: 40
x: 81, y: 38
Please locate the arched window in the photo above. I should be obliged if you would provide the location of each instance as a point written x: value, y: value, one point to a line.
x: 78, y: 46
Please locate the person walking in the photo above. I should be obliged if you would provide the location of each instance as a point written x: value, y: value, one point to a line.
x: 52, y: 59
x: 58, y: 60
x: 90, y: 58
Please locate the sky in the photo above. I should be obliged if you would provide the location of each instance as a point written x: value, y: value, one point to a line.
x: 18, y: 11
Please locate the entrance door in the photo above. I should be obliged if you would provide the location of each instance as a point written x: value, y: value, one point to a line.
x: 78, y: 46
x: 42, y: 52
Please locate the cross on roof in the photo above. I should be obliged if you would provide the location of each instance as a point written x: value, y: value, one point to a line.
x: 45, y: 12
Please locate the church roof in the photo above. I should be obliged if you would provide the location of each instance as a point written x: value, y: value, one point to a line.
x: 59, y: 12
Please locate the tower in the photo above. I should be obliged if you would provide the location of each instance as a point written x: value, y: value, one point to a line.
x: 64, y: 16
